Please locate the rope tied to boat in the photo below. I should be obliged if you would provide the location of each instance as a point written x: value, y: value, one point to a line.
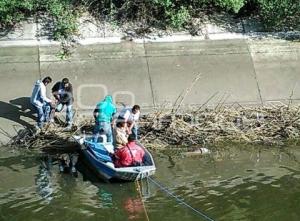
x: 141, y: 196
x: 165, y: 189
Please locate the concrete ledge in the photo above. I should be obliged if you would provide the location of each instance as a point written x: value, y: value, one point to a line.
x: 179, y: 37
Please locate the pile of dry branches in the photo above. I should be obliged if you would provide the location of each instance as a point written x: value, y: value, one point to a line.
x: 52, y: 137
x: 235, y: 123
x: 264, y: 125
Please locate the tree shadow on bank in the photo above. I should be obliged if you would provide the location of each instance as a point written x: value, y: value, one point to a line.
x: 15, y: 110
x: 5, y: 31
x: 253, y: 21
x: 25, y: 107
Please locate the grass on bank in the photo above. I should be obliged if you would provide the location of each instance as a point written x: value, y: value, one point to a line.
x: 276, y: 15
x: 64, y: 14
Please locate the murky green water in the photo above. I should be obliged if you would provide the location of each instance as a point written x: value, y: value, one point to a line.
x: 235, y: 184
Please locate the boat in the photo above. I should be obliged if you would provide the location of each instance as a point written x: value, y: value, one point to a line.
x: 98, y: 158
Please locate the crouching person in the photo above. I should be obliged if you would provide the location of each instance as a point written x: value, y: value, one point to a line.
x: 131, y: 117
x: 129, y: 155
x: 63, y: 93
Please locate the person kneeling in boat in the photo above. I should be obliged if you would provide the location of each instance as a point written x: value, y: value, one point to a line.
x: 129, y: 155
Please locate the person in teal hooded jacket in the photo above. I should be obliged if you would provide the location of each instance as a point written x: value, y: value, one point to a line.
x: 103, y: 114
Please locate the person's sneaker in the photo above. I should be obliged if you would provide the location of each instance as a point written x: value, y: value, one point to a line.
x: 73, y: 170
x: 61, y: 168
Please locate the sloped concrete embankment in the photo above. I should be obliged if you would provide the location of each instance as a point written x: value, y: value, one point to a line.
x: 151, y: 74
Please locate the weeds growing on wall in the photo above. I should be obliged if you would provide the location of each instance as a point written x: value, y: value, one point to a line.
x: 64, y: 14
x: 12, y: 11
x: 174, y: 14
x: 280, y: 14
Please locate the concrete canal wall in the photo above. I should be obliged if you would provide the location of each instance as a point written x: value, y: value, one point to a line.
x: 151, y: 74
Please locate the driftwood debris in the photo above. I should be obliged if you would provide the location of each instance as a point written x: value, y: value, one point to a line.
x: 257, y: 125
x: 52, y: 137
x: 235, y: 123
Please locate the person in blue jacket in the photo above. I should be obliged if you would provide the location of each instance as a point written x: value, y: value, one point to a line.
x: 40, y: 101
x: 103, y: 114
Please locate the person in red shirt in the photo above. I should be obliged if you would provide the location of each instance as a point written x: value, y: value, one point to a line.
x: 129, y: 155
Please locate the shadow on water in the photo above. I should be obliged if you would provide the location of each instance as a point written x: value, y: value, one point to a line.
x: 121, y: 201
x: 10, y: 162
x: 64, y: 163
x: 73, y: 164
x: 236, y: 184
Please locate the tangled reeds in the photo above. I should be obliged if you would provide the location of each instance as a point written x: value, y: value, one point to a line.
x: 52, y: 137
x: 263, y: 125
x: 271, y: 125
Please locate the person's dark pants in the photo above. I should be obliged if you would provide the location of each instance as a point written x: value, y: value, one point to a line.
x: 69, y: 111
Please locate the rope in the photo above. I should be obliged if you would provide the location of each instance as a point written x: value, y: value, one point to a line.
x: 141, y: 196
x: 180, y: 200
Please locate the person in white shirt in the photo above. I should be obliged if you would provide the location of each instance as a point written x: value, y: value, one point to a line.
x: 131, y: 117
x: 40, y: 101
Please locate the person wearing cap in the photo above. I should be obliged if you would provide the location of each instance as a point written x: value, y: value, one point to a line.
x: 131, y: 115
x: 40, y: 101
x: 63, y: 93
x: 103, y: 114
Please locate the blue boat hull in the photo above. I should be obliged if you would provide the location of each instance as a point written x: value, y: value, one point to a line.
x: 105, y: 169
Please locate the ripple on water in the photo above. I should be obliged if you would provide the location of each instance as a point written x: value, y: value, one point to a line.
x: 23, y: 199
x: 252, y: 187
x: 235, y: 181
x: 296, y: 176
x: 18, y: 194
x: 230, y: 191
x: 214, y: 192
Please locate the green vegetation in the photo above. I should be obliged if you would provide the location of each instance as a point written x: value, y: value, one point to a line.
x: 174, y: 14
x: 12, y: 11
x: 64, y: 14
x: 231, y: 5
x: 280, y: 14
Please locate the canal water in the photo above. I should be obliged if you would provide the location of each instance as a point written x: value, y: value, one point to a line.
x: 234, y: 183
